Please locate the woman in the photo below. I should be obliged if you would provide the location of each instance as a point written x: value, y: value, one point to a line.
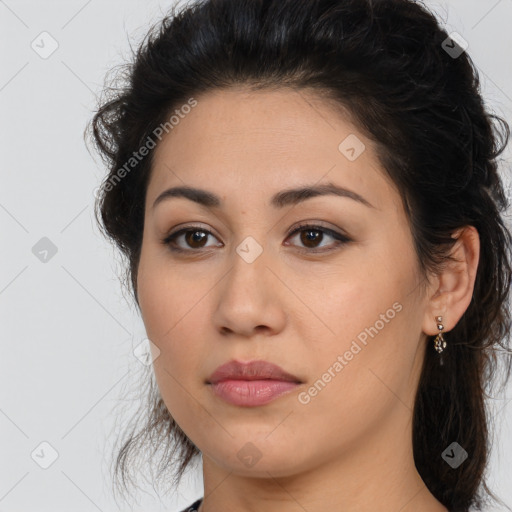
x: 308, y: 196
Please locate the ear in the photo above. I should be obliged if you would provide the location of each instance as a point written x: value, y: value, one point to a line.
x: 452, y: 290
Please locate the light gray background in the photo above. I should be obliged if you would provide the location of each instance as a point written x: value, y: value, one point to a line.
x: 68, y: 332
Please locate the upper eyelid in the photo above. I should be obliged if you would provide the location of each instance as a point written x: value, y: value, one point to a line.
x: 302, y: 225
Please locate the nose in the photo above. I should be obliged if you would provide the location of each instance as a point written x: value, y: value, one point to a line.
x: 249, y: 298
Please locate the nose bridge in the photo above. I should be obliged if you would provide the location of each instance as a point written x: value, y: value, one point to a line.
x: 246, y: 291
x: 251, y: 249
x: 250, y: 260
x: 250, y: 232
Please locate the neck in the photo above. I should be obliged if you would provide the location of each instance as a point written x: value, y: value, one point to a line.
x: 369, y: 473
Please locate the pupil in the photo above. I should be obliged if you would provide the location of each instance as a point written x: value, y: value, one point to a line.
x: 311, y: 236
x: 197, y: 236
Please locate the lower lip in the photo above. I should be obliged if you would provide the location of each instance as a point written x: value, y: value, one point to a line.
x: 251, y: 393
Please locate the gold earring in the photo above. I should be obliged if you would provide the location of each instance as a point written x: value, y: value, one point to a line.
x: 439, y: 342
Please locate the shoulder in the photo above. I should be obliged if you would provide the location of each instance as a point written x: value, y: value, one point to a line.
x: 193, y: 507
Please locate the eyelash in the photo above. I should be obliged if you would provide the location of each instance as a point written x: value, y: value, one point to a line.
x: 169, y: 240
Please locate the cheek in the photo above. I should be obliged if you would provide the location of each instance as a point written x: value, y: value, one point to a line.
x: 351, y: 300
x: 176, y: 368
x: 168, y: 312
x: 170, y: 306
x: 370, y: 323
x: 360, y: 377
x: 166, y: 297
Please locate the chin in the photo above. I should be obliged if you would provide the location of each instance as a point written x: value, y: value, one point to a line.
x: 259, y: 458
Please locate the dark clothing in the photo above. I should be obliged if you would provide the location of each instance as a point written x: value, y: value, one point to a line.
x: 194, y: 506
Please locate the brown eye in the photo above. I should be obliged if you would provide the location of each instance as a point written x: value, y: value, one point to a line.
x: 311, y: 236
x: 194, y: 238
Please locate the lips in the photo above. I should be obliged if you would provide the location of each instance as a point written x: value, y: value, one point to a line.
x: 254, y: 370
x: 251, y: 384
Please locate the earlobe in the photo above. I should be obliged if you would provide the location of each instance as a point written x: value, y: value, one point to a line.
x: 455, y: 283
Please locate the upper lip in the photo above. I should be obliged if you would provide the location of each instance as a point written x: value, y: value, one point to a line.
x: 253, y: 370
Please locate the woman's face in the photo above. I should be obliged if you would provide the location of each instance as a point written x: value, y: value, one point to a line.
x: 344, y: 317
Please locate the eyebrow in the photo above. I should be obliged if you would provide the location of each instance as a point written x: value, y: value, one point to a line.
x: 279, y: 200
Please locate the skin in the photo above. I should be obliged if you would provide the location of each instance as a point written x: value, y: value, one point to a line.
x: 350, y: 447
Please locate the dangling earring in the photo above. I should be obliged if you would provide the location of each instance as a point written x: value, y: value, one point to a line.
x: 440, y: 342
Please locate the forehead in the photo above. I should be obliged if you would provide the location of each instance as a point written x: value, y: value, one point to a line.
x: 236, y: 142
x: 235, y: 119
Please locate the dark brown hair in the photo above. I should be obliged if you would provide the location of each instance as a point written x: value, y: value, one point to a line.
x: 389, y: 64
